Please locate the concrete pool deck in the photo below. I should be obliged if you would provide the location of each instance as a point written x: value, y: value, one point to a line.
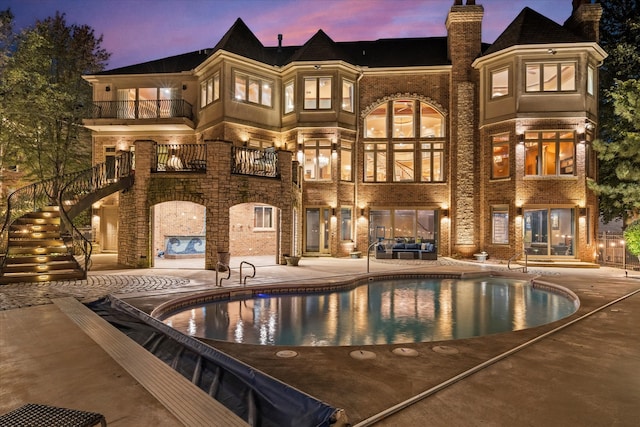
x: 586, y: 373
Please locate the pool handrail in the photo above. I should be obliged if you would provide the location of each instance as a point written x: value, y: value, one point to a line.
x: 376, y: 243
x: 526, y: 261
x: 245, y: 277
x: 226, y: 266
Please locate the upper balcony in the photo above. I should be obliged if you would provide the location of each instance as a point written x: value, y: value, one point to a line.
x: 140, y: 115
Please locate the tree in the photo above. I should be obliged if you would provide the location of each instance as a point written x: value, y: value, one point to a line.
x: 6, y: 47
x: 44, y: 97
x: 620, y: 37
x: 623, y: 192
x: 632, y: 238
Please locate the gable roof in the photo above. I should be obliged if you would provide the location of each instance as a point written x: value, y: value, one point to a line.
x: 239, y: 39
x: 171, y: 64
x: 320, y: 47
x: 530, y: 27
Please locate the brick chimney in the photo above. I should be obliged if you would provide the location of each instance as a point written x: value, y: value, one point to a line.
x: 585, y: 19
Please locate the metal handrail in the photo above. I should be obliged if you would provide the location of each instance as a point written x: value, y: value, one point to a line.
x: 180, y: 158
x: 376, y: 243
x: 226, y: 266
x: 245, y: 278
x: 526, y: 262
x: 142, y: 109
x: 251, y: 161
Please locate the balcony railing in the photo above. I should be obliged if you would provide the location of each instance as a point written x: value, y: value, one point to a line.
x: 144, y: 109
x: 180, y: 158
x: 249, y: 161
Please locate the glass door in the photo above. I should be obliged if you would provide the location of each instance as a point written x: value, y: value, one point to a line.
x: 317, y: 230
x: 549, y: 232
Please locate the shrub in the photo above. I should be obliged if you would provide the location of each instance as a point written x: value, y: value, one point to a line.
x: 632, y: 237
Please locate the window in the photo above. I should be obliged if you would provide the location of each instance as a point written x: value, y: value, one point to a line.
x: 289, y: 97
x: 263, y: 217
x: 210, y: 90
x: 403, y: 162
x: 317, y: 160
x: 549, y: 153
x: 590, y: 80
x: 375, y: 162
x: 500, y: 225
x: 412, y: 225
x: 347, y: 95
x: 253, y: 90
x: 317, y: 93
x: 500, y: 83
x: 398, y: 122
x: 432, y: 162
x: 146, y: 102
x: 346, y: 173
x: 345, y: 224
x: 500, y: 156
x: 260, y: 144
x: 555, y: 77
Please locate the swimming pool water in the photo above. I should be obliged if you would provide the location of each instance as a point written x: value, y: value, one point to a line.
x: 379, y: 312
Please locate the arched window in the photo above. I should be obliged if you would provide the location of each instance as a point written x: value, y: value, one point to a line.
x: 410, y: 134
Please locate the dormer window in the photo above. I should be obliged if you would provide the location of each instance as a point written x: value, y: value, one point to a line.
x: 551, y: 77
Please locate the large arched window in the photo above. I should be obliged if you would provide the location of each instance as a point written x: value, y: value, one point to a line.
x: 409, y: 134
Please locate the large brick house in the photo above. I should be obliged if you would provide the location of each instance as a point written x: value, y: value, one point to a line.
x: 324, y: 148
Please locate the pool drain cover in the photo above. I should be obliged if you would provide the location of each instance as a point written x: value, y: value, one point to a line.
x: 362, y: 354
x: 287, y: 353
x: 445, y: 349
x: 403, y: 351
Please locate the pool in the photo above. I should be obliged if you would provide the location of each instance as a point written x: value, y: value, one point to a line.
x: 390, y: 311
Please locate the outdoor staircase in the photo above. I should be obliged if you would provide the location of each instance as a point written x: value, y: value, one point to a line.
x: 36, y: 251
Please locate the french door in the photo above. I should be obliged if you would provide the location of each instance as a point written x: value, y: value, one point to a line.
x: 317, y: 222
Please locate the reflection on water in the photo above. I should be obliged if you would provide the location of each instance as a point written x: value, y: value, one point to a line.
x: 381, y: 312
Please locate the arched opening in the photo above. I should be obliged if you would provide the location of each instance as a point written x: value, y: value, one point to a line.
x: 254, y: 232
x: 178, y: 235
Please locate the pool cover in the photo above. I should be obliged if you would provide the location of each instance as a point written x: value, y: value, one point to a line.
x: 259, y: 399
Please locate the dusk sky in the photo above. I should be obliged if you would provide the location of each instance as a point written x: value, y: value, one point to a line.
x: 136, y: 31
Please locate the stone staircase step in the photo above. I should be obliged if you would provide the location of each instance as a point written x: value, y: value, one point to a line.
x: 41, y: 268
x: 26, y: 234
x: 34, y: 227
x: 40, y: 277
x: 35, y: 259
x: 35, y: 250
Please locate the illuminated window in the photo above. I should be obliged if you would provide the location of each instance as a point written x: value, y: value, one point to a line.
x: 147, y: 102
x: 500, y: 156
x: 500, y: 225
x: 253, y: 90
x: 289, y: 97
x: 500, y: 83
x: 375, y: 162
x: 317, y: 93
x: 554, y: 77
x: 590, y: 80
x: 397, y: 122
x: 263, y: 217
x: 347, y: 96
x: 549, y: 153
x: 210, y: 90
x: 317, y: 160
x: 346, y: 172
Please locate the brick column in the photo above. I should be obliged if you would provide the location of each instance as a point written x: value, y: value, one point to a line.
x: 216, y: 192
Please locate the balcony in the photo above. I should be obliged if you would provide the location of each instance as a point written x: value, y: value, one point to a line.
x: 141, y: 115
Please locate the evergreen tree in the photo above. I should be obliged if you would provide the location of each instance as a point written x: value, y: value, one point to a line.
x: 44, y: 97
x: 620, y: 37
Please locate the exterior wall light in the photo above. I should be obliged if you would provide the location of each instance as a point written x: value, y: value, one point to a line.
x: 521, y: 138
x: 519, y: 211
x: 445, y: 213
x: 582, y: 212
x: 362, y: 212
x: 333, y: 211
x: 107, y: 89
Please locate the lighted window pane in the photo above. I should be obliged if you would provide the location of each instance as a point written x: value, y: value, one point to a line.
x: 345, y: 224
x: 325, y: 93
x: 438, y: 166
x: 289, y: 98
x: 381, y: 166
x: 345, y: 164
x: 241, y: 89
x: 209, y: 91
x: 403, y: 166
x: 425, y: 176
x: 550, y: 75
x: 568, y: 77
x: 216, y: 87
x: 549, y: 158
x: 533, y: 78
x: 531, y: 158
x: 347, y: 96
x: 590, y: 80
x: 565, y: 158
x: 369, y: 166
x: 431, y: 122
x: 203, y: 94
x: 254, y: 91
x: 404, y: 222
x: 267, y: 92
x: 500, y: 158
x: 376, y: 122
x: 310, y: 94
x: 500, y: 83
x: 403, y: 119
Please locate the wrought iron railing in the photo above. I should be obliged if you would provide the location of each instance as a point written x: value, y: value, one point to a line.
x: 89, y: 182
x: 613, y: 252
x: 180, y: 158
x: 142, y: 109
x: 250, y: 161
